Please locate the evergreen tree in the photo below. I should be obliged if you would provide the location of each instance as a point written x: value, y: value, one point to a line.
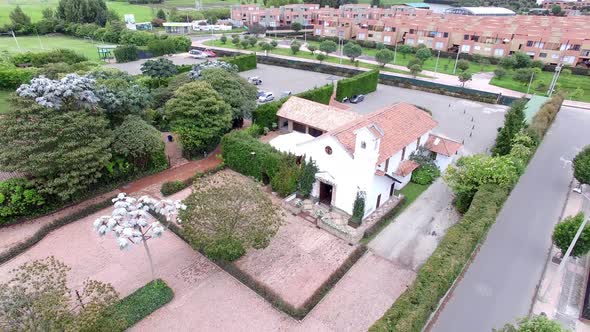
x: 161, y: 14
x: 83, y: 11
x: 513, y: 124
x: 20, y: 20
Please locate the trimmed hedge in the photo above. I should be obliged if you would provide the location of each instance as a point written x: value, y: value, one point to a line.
x: 172, y: 187
x: 25, y: 245
x: 126, y: 53
x: 359, y: 84
x: 265, y: 115
x: 246, y: 155
x: 320, y: 95
x: 138, y: 305
x: 244, y: 62
x: 412, y: 309
x: 544, y: 117
x: 12, y: 78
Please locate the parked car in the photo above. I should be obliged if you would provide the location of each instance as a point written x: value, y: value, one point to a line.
x: 266, y: 97
x: 357, y: 99
x: 197, y: 54
x: 260, y: 93
x: 210, y: 53
x: 285, y: 94
x: 255, y: 80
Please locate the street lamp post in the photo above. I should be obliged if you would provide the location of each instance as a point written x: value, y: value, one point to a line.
x: 530, y: 82
x: 395, y: 47
x: 554, y: 80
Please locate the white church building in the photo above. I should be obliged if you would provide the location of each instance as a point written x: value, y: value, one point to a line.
x: 368, y: 153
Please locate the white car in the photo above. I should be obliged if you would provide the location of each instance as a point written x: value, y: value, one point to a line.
x: 255, y: 80
x: 196, y: 54
x: 266, y: 97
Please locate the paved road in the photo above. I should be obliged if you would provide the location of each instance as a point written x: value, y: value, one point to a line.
x: 500, y: 284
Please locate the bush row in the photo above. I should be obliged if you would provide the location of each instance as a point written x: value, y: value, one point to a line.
x: 171, y: 187
x: 243, y: 62
x: 38, y: 59
x: 245, y: 154
x: 544, y: 117
x: 320, y: 95
x: 359, y: 84
x: 413, y: 308
x: 137, y: 305
x: 25, y: 245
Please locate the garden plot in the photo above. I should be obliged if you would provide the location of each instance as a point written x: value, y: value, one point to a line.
x: 298, y: 260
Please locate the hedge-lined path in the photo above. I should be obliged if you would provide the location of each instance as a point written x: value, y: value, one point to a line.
x: 11, y: 235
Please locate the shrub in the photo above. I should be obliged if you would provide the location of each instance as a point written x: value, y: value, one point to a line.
x: 125, y: 53
x: 161, y: 46
x: 358, y: 84
x: 425, y: 174
x: 307, y: 178
x: 18, y: 197
x: 564, y: 233
x: 284, y: 182
x: 358, y: 208
x: 243, y: 62
x: 38, y: 59
x: 544, y: 118
x: 413, y: 308
x: 226, y: 249
x: 139, y: 304
x: 171, y: 187
x: 266, y: 114
x: 12, y: 78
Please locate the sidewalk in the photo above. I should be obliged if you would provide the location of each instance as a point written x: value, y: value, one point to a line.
x: 561, y: 296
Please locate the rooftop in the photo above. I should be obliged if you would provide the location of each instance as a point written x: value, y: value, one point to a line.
x: 400, y: 124
x: 442, y: 145
x: 315, y: 115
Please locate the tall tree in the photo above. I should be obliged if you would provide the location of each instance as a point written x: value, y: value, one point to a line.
x: 199, y: 115
x: 160, y: 68
x: 352, y: 50
x: 161, y: 14
x: 513, y: 124
x: 83, y: 11
x: 234, y: 89
x: 296, y: 26
x: 328, y: 46
x: 63, y: 150
x: 20, y: 20
x: 139, y: 143
x: 384, y: 56
x: 581, y: 165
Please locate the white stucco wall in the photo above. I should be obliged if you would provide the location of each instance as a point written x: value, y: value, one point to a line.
x: 380, y: 185
x: 443, y: 161
x: 404, y: 180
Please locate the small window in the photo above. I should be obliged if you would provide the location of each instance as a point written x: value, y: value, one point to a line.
x: 363, y: 145
x: 403, y: 153
x: 328, y: 150
x: 446, y: 34
x: 542, y: 55
x: 465, y: 37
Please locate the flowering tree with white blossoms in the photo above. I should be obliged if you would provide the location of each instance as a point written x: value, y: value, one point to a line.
x: 73, y: 88
x: 131, y: 222
x: 195, y: 72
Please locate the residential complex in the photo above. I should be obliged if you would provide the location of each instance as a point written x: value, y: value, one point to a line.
x: 488, y: 32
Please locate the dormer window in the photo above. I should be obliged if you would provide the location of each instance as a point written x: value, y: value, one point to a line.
x: 363, y: 145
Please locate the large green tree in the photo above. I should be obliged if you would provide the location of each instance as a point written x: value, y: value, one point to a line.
x: 160, y: 68
x: 581, y: 165
x: 328, y: 46
x: 139, y: 143
x: 234, y: 89
x: 20, y: 21
x: 199, y: 115
x: 564, y: 233
x: 63, y: 150
x: 513, y: 124
x: 226, y: 215
x: 83, y: 11
x: 384, y: 56
x: 352, y: 50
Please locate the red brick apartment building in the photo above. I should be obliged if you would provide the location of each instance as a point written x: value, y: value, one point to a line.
x: 550, y: 39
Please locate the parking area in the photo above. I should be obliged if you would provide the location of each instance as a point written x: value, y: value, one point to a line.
x: 280, y: 79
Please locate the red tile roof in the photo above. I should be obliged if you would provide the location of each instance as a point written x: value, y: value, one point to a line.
x: 442, y: 145
x: 406, y: 167
x: 400, y: 123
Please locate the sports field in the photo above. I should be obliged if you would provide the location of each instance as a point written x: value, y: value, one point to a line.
x: 48, y: 42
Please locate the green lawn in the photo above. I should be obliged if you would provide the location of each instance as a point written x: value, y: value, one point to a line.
x: 411, y: 191
x: 304, y: 55
x: 568, y: 83
x: 4, y: 101
x: 32, y: 43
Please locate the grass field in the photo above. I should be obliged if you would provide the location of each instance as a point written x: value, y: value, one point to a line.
x: 568, y: 83
x: 32, y: 43
x: 4, y: 101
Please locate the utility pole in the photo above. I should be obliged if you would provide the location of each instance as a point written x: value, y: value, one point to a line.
x: 395, y: 47
x: 436, y: 64
x: 457, y: 60
x: 554, y: 80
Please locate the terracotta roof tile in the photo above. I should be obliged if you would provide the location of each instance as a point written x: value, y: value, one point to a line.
x: 442, y: 145
x: 400, y: 123
x: 314, y: 114
x: 406, y: 167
